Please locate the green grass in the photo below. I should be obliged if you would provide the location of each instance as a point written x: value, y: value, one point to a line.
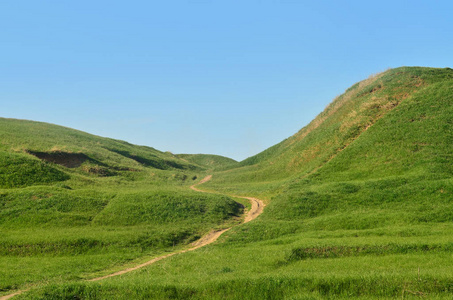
x: 359, y: 204
x: 262, y: 270
x: 18, y: 170
x: 73, y: 205
x: 117, y: 157
x: 67, y: 227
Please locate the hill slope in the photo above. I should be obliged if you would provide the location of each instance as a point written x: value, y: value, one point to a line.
x: 208, y: 161
x: 380, y: 155
x: 345, y: 122
x: 73, y: 204
x: 35, y: 152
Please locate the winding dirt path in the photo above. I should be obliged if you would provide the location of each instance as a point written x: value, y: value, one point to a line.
x: 211, y: 237
x: 255, y: 211
x: 194, y: 186
x: 257, y: 204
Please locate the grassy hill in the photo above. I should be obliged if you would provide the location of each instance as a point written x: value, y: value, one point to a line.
x: 72, y: 203
x: 368, y: 105
x: 360, y: 204
x: 33, y: 153
x: 208, y: 161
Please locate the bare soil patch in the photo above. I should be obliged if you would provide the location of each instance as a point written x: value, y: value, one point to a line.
x: 66, y: 159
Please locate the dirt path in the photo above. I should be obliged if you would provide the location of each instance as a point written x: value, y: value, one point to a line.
x: 257, y: 204
x: 255, y: 211
x: 12, y: 295
x: 206, y: 179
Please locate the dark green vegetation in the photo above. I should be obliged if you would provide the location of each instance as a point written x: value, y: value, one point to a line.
x: 360, y: 204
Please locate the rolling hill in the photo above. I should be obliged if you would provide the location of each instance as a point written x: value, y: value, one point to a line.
x: 208, y: 161
x: 80, y: 203
x: 37, y: 151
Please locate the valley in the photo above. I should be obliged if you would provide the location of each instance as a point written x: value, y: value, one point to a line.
x: 359, y: 203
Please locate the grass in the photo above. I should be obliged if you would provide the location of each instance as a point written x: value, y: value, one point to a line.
x: 73, y: 205
x: 70, y: 227
x: 19, y: 171
x: 231, y: 271
x: 359, y: 204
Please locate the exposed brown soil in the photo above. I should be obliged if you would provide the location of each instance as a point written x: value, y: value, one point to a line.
x: 193, y: 187
x: 66, y: 159
x: 75, y: 160
x: 255, y: 211
x: 257, y: 204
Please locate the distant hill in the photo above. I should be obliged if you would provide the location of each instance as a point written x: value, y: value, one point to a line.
x: 35, y: 152
x: 207, y: 161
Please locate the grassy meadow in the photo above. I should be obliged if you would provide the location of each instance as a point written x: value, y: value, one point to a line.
x: 359, y: 204
x: 86, y: 206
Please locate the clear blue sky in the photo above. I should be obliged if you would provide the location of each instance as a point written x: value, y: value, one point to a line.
x: 221, y: 77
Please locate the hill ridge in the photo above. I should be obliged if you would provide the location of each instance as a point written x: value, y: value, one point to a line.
x: 337, y: 127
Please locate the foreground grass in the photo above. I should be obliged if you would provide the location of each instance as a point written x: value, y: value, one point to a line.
x: 267, y: 270
x: 50, y: 234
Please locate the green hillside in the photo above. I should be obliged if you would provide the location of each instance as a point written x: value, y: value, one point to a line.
x: 34, y: 152
x: 367, y: 105
x: 208, y: 161
x: 359, y: 205
x: 74, y: 204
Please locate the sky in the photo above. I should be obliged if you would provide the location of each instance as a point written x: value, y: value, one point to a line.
x: 218, y: 77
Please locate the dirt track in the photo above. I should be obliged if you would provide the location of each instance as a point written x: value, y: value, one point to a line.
x: 257, y: 204
x: 255, y: 211
x: 11, y: 295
